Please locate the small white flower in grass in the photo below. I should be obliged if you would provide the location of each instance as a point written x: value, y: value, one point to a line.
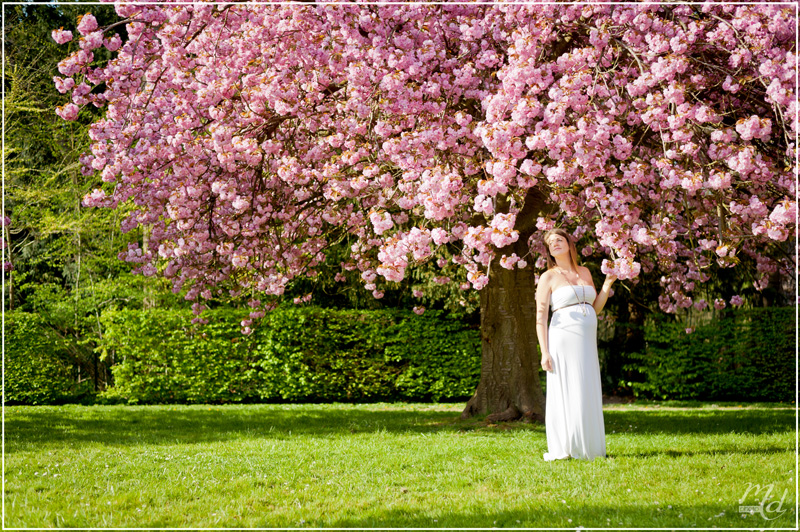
x: 669, y: 506
x: 629, y: 490
x: 569, y: 520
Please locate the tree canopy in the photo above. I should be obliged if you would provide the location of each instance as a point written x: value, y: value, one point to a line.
x: 248, y: 139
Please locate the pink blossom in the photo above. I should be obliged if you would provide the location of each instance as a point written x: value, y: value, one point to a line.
x: 737, y: 301
x: 439, y: 236
x: 86, y: 24
x: 478, y: 280
x: 63, y: 85
x: 61, y: 36
x: 508, y: 262
x: 113, y: 43
x: 784, y: 213
x: 68, y: 111
x: 381, y: 221
x: 92, y: 40
x: 754, y: 127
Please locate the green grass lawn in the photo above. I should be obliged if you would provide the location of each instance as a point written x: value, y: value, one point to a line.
x: 391, y: 465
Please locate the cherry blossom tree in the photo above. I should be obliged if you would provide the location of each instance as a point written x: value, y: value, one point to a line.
x: 247, y: 139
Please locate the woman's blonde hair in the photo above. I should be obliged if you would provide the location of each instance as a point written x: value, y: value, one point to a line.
x: 573, y: 252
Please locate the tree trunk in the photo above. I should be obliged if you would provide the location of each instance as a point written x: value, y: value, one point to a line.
x: 148, y: 298
x: 509, y: 386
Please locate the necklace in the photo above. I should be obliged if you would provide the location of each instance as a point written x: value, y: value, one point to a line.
x: 582, y: 302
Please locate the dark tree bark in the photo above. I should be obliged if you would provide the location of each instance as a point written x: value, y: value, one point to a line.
x: 509, y: 386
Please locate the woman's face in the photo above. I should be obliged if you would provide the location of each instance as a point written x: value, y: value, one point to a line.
x: 557, y: 245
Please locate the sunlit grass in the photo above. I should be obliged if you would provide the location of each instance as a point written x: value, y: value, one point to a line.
x: 390, y: 465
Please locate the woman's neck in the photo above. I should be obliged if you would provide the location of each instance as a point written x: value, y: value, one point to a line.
x: 564, y: 263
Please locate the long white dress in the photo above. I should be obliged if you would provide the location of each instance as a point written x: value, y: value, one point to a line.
x: 574, y: 408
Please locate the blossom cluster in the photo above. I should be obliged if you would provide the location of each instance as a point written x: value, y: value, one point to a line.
x: 248, y: 137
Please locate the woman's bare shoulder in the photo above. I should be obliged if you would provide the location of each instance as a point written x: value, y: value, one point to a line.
x: 545, y: 279
x: 585, y: 273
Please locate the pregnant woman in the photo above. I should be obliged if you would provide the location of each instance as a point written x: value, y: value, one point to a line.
x: 574, y: 408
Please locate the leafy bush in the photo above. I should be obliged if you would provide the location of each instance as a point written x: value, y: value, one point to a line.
x: 39, y: 368
x: 746, y: 355
x: 297, y: 354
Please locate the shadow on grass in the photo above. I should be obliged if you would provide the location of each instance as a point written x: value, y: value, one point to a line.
x: 589, y: 516
x: 673, y: 453
x: 756, y: 421
x: 120, y: 425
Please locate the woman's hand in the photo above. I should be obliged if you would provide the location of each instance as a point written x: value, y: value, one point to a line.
x: 547, y: 363
x: 605, y: 293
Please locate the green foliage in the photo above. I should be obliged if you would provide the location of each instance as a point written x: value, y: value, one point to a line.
x: 745, y: 355
x: 443, y: 355
x: 297, y: 354
x: 39, y: 368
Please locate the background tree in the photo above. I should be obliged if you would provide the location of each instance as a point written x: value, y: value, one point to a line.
x: 246, y: 140
x: 65, y: 255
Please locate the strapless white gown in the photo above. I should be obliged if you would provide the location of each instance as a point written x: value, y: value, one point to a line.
x: 574, y: 408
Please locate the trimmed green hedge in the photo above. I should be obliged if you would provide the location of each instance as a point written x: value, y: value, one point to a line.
x: 313, y: 354
x: 39, y: 368
x: 297, y: 354
x: 746, y: 355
